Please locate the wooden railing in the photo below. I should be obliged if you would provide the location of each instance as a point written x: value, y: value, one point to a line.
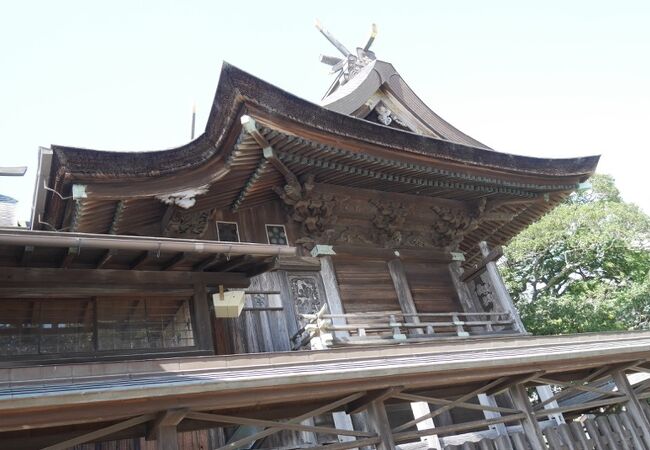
x: 324, y: 330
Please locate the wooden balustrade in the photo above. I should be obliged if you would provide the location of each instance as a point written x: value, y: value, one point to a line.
x: 366, y: 328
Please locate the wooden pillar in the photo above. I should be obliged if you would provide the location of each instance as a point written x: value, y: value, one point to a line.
x: 529, y: 423
x: 202, y: 315
x: 331, y: 285
x: 500, y: 291
x: 403, y: 290
x: 633, y: 405
x: 378, y: 422
x: 464, y: 295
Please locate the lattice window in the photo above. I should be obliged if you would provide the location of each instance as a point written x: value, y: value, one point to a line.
x: 228, y: 232
x: 276, y: 234
x: 65, y: 326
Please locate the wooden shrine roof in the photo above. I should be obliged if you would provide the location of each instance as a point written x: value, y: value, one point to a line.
x: 226, y: 167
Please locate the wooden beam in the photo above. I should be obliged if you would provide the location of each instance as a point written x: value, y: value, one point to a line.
x: 296, y: 420
x: 225, y: 419
x: 455, y: 428
x: 27, y: 276
x: 363, y: 403
x: 70, y: 255
x: 234, y: 263
x: 102, y: 432
x: 510, y: 381
x: 443, y: 402
x: 207, y: 263
x: 117, y: 216
x: 144, y: 259
x: 106, y: 258
x: 428, y: 255
x: 492, y: 256
x: 454, y: 403
x: 175, y: 261
x: 26, y: 257
x: 47, y: 290
x: 171, y: 417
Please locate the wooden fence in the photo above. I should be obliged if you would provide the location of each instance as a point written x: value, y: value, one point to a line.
x: 514, y: 441
x: 607, y: 432
x: 345, y: 329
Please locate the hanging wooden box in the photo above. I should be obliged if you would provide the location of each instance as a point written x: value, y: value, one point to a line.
x: 231, y: 305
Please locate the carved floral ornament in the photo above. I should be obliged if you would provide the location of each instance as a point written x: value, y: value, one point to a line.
x: 388, y: 226
x: 449, y: 226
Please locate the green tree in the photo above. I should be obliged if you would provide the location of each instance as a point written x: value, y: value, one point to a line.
x: 585, y: 266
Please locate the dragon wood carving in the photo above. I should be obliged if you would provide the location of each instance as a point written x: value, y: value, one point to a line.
x: 314, y: 211
x: 451, y: 225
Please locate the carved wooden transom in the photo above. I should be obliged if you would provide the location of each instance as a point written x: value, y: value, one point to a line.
x: 187, y: 224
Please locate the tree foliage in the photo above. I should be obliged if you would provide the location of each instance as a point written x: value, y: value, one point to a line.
x: 585, y: 266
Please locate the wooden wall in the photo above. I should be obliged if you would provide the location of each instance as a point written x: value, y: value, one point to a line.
x: 365, y: 285
x: 251, y: 222
x: 431, y: 287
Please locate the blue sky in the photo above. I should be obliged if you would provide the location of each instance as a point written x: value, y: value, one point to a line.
x: 553, y: 78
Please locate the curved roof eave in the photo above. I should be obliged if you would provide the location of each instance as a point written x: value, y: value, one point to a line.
x: 239, y: 91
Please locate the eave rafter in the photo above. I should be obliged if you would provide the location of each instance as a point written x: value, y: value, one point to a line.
x: 270, y: 161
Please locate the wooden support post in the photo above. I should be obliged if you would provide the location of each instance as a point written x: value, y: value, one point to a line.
x: 164, y: 429
x: 529, y: 422
x: 167, y: 438
x: 489, y: 400
x: 500, y: 290
x: 404, y: 296
x: 378, y: 422
x: 330, y: 283
x: 343, y: 421
x: 420, y: 409
x: 633, y: 405
x: 545, y: 392
x: 202, y: 318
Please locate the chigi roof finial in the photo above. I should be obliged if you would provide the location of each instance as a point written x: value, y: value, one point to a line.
x: 348, y: 66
